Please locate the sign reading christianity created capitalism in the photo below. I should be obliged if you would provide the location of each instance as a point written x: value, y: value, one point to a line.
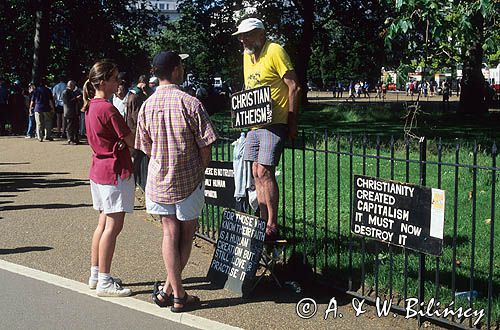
x: 398, y: 213
x: 251, y: 107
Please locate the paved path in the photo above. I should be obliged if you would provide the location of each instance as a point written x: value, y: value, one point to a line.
x: 46, y: 223
x: 28, y: 303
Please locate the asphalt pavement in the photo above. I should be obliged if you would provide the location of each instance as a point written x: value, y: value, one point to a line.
x: 28, y: 303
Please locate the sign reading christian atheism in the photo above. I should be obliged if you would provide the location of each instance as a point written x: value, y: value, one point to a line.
x: 251, y: 107
x: 238, y: 251
x: 398, y: 213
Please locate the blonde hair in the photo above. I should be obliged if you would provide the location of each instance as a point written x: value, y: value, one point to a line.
x: 101, y: 70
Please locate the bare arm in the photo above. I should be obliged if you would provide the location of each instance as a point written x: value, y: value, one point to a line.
x: 291, y: 80
x: 206, y: 156
x: 130, y: 140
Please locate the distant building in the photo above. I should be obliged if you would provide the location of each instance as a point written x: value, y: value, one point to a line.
x: 166, y: 7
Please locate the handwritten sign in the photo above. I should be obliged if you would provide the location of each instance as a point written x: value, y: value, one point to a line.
x: 238, y: 251
x: 398, y: 213
x: 251, y: 107
x: 219, y: 184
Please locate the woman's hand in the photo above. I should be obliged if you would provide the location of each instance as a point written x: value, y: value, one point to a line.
x: 121, y: 145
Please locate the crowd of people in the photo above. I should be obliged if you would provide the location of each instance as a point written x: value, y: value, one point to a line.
x: 43, y: 112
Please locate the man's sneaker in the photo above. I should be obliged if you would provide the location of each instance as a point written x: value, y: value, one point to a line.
x: 93, y: 282
x: 112, y: 289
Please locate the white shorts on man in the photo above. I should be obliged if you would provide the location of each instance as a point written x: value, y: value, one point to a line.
x: 187, y: 209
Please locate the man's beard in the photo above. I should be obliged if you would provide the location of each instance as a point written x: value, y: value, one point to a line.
x: 253, y: 48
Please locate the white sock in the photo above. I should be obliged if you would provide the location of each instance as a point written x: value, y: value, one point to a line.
x: 103, y: 278
x: 94, y: 271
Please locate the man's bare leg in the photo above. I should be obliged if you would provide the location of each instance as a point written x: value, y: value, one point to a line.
x: 170, y: 250
x: 187, y: 230
x: 266, y: 185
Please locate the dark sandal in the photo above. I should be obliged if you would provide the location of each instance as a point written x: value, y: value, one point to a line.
x: 166, y: 300
x: 156, y: 286
x: 187, y: 304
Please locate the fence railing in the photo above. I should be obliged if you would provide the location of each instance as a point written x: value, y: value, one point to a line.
x: 316, y: 193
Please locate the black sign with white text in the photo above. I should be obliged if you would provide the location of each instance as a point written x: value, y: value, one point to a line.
x: 251, y: 107
x: 398, y: 213
x: 219, y: 184
x: 238, y: 251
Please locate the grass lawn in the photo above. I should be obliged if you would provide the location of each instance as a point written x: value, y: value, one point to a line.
x: 314, y: 209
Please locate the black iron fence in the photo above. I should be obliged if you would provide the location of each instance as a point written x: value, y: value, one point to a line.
x: 315, y: 177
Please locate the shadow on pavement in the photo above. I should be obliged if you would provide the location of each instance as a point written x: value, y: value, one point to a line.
x: 25, y: 249
x: 23, y: 163
x: 22, y: 181
x: 44, y: 206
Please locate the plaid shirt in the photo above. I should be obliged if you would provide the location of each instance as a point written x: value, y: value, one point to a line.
x: 171, y: 127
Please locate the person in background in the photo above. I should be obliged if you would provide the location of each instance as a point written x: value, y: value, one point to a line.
x: 136, y: 97
x: 17, y: 106
x: 71, y: 100
x: 57, y: 93
x: 42, y: 104
x: 111, y: 179
x: 120, y: 98
x: 266, y: 63
x: 31, y: 131
x: 153, y: 83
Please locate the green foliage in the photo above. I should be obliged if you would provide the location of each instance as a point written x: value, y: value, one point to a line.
x: 204, y: 32
x: 81, y: 32
x: 453, y: 27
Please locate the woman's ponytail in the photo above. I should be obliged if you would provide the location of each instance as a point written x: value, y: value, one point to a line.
x: 88, y: 94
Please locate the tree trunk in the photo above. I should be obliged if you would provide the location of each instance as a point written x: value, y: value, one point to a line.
x: 472, y: 95
x: 41, y: 41
x: 305, y: 46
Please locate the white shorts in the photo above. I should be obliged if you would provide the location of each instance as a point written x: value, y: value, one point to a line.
x: 110, y: 198
x: 187, y: 209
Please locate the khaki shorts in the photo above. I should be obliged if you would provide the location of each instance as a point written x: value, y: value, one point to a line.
x: 110, y: 198
x: 187, y: 209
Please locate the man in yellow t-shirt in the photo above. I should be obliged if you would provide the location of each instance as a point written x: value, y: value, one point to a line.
x: 267, y: 64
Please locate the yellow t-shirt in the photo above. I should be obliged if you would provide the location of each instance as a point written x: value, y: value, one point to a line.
x: 269, y: 70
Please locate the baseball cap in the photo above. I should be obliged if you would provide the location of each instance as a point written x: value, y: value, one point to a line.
x: 248, y: 25
x: 168, y: 60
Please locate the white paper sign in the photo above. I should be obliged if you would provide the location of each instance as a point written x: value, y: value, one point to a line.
x: 437, y: 213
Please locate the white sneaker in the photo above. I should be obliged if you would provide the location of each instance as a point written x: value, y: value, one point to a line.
x: 112, y: 289
x: 93, y: 282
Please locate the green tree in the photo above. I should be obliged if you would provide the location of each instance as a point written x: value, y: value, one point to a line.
x: 450, y: 33
x: 54, y: 37
x: 204, y: 32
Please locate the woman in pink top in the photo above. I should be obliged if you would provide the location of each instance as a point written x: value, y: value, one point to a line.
x: 111, y: 178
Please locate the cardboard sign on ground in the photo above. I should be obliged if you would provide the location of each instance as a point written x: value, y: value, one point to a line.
x: 238, y: 251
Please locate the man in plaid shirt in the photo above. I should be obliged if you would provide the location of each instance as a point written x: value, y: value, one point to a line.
x: 174, y: 130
